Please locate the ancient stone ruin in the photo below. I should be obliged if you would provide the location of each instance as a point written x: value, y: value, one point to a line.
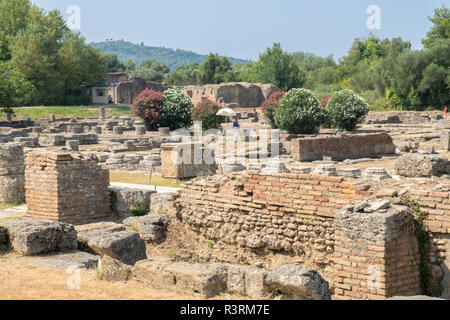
x: 64, y: 187
x: 12, y: 167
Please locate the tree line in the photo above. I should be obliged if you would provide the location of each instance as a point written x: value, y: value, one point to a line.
x: 43, y: 62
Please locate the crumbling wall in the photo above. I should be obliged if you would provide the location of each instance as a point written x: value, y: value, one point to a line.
x: 435, y: 204
x: 67, y: 188
x: 365, y: 253
x: 282, y: 212
x: 12, y: 180
x: 240, y: 94
x: 342, y: 146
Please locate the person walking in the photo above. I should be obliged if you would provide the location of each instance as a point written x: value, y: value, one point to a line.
x: 445, y: 112
x: 236, y: 129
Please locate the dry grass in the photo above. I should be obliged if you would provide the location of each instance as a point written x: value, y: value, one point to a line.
x: 18, y: 281
x: 4, y: 205
x: 141, y: 179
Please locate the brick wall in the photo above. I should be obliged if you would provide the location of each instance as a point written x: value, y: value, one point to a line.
x: 283, y: 212
x: 64, y: 187
x: 376, y: 255
x: 437, y: 204
x: 296, y: 214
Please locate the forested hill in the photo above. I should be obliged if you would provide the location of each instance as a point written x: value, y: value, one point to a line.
x: 138, y: 53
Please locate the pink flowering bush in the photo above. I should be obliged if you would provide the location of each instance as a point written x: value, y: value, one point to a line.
x: 271, y: 105
x: 324, y: 102
x: 148, y: 105
x: 206, y: 111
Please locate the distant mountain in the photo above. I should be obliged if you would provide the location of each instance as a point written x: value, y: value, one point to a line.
x: 138, y: 53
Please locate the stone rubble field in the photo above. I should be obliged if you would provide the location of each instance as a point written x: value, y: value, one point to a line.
x: 308, y: 224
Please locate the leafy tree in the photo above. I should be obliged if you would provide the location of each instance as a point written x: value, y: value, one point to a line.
x: 300, y: 112
x: 441, y: 26
x: 183, y: 75
x: 214, y: 70
x: 279, y: 68
x: 55, y: 60
x: 129, y: 65
x: 112, y: 64
x: 14, y: 15
x: 5, y: 53
x: 150, y: 70
x: 15, y: 90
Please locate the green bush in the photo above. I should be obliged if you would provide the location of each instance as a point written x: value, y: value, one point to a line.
x: 300, y: 112
x: 138, y: 210
x: 206, y: 112
x: 346, y: 110
x: 176, y: 112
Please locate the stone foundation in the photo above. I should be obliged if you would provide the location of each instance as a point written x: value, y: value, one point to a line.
x: 60, y: 186
x: 365, y: 249
x: 342, y: 146
x: 12, y: 179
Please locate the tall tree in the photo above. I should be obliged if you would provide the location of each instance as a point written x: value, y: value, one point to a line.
x: 214, y: 69
x: 15, y: 89
x: 13, y: 16
x: 279, y: 68
x: 441, y: 26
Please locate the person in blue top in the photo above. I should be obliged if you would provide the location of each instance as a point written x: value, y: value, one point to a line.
x: 236, y: 129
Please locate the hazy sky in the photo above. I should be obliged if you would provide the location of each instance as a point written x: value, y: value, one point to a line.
x: 245, y: 28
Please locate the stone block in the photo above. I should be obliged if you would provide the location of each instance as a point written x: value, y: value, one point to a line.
x: 110, y: 269
x: 31, y: 236
x: 151, y: 228
x: 124, y: 200
x: 208, y: 280
x: 445, y: 139
x: 125, y: 246
x: 299, y: 282
x: 343, y: 146
x: 417, y: 165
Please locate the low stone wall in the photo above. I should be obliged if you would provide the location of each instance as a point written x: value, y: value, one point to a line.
x: 17, y: 124
x: 60, y: 186
x: 61, y: 139
x: 12, y: 180
x: 341, y: 147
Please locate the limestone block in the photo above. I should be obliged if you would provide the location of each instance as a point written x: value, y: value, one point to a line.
x: 151, y: 228
x: 110, y: 269
x: 299, y: 282
x: 125, y: 200
x: 417, y: 165
x: 125, y: 246
x: 208, y: 280
x: 31, y: 236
